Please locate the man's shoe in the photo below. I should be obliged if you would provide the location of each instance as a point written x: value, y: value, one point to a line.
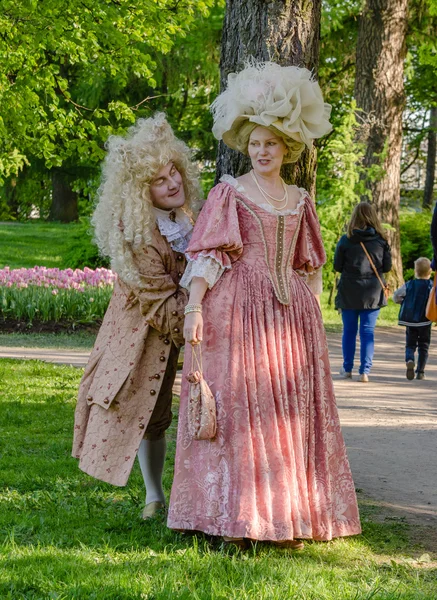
x: 345, y: 374
x: 363, y: 378
x: 410, y: 370
x: 152, y: 509
x: 289, y: 544
x: 420, y: 375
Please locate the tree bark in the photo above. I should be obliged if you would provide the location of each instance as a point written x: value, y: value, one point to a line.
x: 64, y: 203
x: 428, y: 194
x: 379, y: 92
x: 284, y: 31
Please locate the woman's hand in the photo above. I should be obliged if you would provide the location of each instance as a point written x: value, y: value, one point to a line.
x: 193, y: 328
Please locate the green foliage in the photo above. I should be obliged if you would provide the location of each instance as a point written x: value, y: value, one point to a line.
x: 66, y: 71
x: 339, y: 31
x: 65, y: 535
x: 188, y: 80
x: 428, y: 47
x: 415, y: 237
x: 420, y: 82
x: 75, y: 72
x: 339, y: 183
x: 82, y: 252
x: 5, y: 210
x: 28, y: 194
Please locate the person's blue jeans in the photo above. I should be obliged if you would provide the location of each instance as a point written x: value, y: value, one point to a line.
x: 367, y: 319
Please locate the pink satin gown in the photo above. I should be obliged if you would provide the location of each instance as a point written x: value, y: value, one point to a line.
x: 277, y: 469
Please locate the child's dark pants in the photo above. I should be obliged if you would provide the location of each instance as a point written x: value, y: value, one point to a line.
x: 418, y: 337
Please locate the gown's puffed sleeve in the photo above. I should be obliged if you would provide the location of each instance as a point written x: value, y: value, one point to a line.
x: 309, y: 255
x: 216, y: 240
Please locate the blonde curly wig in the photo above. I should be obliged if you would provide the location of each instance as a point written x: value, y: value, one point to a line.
x: 123, y: 219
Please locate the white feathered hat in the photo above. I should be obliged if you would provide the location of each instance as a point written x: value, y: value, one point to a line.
x: 286, y: 98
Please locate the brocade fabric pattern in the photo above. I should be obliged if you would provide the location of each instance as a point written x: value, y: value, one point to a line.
x: 277, y: 468
x: 128, y: 364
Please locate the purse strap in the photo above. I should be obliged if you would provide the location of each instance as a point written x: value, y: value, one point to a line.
x: 196, y: 358
x: 372, y: 264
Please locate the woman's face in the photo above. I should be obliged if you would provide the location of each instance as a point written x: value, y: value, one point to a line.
x: 167, y: 188
x: 266, y: 151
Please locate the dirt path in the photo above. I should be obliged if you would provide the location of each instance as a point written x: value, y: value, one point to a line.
x: 389, y: 424
x: 390, y: 428
x: 76, y: 358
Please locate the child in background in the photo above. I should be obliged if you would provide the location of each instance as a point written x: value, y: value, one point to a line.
x: 413, y: 296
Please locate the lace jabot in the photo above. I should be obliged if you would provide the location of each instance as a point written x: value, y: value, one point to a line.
x: 289, y: 211
x: 177, y: 232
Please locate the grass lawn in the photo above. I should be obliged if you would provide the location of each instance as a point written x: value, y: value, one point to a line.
x: 80, y: 340
x: 65, y: 535
x: 34, y: 244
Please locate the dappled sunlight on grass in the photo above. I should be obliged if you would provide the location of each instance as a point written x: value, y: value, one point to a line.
x: 80, y: 340
x: 35, y: 244
x: 66, y: 535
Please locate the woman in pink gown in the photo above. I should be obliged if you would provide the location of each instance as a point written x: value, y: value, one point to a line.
x: 277, y: 469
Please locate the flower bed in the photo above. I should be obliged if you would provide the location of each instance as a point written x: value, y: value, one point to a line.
x: 42, y: 294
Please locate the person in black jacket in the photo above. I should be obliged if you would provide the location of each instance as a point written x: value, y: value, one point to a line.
x: 360, y: 294
x: 413, y: 296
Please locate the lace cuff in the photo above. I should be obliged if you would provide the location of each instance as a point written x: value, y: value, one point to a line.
x: 314, y: 280
x: 202, y: 266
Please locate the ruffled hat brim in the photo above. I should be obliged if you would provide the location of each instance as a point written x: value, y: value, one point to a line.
x: 285, y: 98
x: 231, y: 137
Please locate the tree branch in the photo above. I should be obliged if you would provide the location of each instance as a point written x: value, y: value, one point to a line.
x: 136, y: 106
x: 410, y: 164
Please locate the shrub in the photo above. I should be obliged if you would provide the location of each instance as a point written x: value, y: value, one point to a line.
x: 415, y: 237
x: 82, y: 252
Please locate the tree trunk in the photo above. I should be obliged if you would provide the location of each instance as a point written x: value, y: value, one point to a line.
x: 379, y: 92
x: 285, y: 32
x: 428, y: 195
x: 64, y: 202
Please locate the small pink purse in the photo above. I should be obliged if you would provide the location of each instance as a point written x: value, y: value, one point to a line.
x: 202, y: 417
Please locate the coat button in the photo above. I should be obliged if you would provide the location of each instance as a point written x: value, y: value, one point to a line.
x: 89, y: 398
x: 106, y: 401
x: 152, y: 392
x: 176, y: 329
x: 166, y: 342
x: 180, y: 274
x: 180, y: 257
x: 156, y: 376
x: 141, y: 425
x: 162, y: 358
x: 174, y: 313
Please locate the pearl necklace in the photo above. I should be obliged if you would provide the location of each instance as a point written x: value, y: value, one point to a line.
x: 266, y: 195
